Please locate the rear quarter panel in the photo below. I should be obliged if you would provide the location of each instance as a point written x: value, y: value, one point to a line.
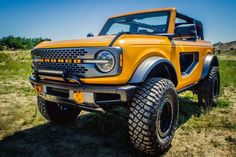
x: 203, y: 48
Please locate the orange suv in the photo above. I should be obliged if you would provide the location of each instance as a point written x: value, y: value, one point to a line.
x: 139, y: 60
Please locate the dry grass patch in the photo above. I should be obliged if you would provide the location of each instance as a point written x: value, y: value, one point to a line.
x: 23, y: 131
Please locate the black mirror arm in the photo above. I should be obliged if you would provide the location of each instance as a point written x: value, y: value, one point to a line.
x: 90, y: 35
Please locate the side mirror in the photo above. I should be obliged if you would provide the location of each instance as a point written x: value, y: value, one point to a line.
x: 186, y: 30
x: 90, y: 35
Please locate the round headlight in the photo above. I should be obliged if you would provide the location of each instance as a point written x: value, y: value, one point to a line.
x: 107, y: 61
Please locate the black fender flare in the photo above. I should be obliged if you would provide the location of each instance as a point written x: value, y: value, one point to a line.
x: 142, y: 71
x: 210, y: 60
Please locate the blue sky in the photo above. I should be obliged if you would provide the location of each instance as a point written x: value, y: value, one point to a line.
x: 73, y: 19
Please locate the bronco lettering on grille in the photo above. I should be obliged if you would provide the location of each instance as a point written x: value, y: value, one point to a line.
x: 58, y: 60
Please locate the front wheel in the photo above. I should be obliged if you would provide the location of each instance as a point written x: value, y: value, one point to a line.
x: 153, y: 116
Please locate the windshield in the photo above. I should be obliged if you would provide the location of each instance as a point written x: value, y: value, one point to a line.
x: 146, y: 23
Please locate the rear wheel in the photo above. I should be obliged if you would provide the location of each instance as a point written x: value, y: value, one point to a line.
x: 56, y: 113
x: 153, y: 116
x: 208, y: 90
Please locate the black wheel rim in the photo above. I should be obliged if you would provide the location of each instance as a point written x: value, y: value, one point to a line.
x: 166, y: 117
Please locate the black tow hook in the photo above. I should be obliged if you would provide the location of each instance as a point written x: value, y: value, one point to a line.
x: 76, y: 79
x: 64, y: 75
x: 36, y: 75
x: 71, y: 78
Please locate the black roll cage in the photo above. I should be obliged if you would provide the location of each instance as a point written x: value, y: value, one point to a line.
x: 189, y: 20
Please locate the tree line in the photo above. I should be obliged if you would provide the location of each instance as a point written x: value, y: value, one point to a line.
x: 18, y: 43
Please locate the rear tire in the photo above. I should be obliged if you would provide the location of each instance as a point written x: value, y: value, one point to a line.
x: 208, y: 90
x: 153, y: 116
x: 56, y: 113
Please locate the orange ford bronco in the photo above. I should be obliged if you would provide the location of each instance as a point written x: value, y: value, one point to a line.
x: 140, y: 60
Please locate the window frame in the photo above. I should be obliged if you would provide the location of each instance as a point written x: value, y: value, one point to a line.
x: 106, y: 26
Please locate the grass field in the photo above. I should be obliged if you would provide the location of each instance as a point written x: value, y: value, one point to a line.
x: 23, y: 131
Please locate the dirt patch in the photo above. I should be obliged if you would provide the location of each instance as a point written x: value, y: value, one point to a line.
x: 210, y: 137
x: 203, y: 134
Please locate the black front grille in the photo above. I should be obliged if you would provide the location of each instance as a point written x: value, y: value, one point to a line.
x: 62, y: 53
x: 70, y: 68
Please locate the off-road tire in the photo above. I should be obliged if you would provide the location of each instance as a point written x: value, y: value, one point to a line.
x: 208, y: 89
x: 56, y: 113
x: 146, y: 116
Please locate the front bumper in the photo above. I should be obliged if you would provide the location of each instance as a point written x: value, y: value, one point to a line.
x: 95, y: 96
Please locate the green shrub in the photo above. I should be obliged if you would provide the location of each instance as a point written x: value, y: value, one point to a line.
x: 18, y: 43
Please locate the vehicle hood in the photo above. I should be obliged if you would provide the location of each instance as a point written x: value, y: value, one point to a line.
x: 104, y: 41
x: 85, y: 42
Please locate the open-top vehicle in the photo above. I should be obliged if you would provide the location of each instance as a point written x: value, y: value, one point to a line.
x: 139, y: 60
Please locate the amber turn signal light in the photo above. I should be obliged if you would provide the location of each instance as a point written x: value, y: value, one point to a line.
x: 121, y: 60
x: 78, y: 97
x: 38, y: 89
